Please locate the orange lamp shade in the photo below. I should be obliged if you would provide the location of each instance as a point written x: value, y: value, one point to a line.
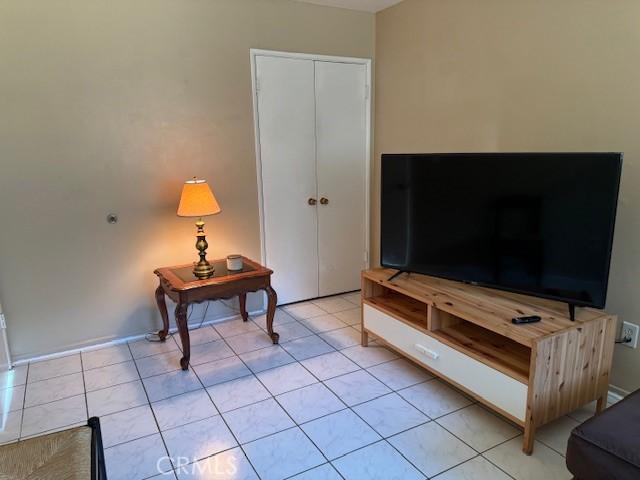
x: 197, y: 199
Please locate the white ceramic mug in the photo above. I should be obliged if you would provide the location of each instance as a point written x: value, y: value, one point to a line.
x: 234, y: 262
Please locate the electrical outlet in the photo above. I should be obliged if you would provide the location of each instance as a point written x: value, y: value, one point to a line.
x: 630, y: 330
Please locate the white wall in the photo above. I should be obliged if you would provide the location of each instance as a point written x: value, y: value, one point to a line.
x: 520, y: 75
x: 109, y: 107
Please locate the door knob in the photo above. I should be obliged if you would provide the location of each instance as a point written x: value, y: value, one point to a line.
x: 324, y: 201
x: 312, y: 201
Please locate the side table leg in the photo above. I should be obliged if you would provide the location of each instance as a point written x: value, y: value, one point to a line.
x: 183, y: 330
x: 271, y: 312
x: 162, y: 306
x: 242, y: 300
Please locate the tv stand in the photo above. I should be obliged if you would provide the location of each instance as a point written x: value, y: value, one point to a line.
x: 572, y: 312
x: 397, y: 274
x: 531, y: 374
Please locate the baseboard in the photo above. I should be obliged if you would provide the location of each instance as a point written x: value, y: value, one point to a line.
x: 5, y: 355
x: 96, y: 344
x: 616, y: 394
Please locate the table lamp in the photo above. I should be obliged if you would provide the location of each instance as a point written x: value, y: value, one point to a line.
x: 197, y: 200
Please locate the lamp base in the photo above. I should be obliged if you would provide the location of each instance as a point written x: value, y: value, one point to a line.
x: 203, y: 269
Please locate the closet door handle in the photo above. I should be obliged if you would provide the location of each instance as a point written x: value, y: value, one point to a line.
x: 324, y: 201
x: 312, y: 201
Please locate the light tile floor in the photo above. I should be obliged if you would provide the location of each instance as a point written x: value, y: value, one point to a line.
x: 316, y: 407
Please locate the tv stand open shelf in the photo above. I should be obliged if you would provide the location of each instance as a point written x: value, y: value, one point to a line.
x: 532, y: 374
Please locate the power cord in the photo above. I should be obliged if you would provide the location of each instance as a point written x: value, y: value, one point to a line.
x: 204, y: 315
x: 155, y: 336
x: 233, y: 308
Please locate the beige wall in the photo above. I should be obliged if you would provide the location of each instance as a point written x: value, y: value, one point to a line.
x: 108, y: 107
x: 520, y: 75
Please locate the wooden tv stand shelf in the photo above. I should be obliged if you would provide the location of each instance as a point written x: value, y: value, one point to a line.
x: 531, y: 374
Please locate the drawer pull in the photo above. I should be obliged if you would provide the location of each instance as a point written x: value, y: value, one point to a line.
x: 427, y: 351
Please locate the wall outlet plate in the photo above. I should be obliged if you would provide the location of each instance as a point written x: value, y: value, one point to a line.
x: 630, y: 330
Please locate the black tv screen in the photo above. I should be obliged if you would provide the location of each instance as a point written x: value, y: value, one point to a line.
x: 533, y: 223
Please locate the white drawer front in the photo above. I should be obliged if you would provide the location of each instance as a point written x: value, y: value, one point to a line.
x: 494, y: 386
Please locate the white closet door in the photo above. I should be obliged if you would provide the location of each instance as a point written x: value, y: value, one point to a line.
x: 286, y: 122
x: 341, y: 162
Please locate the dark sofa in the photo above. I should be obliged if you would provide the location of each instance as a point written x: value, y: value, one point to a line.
x: 607, y: 446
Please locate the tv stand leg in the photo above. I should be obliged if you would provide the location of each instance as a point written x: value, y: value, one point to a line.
x: 364, y: 338
x: 399, y: 272
x: 529, y: 437
x: 601, y: 404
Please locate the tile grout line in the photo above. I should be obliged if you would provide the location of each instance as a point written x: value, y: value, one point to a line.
x: 173, y: 330
x: 477, y: 453
x: 117, y: 385
x: 55, y: 377
x: 329, y: 462
x: 385, y: 439
x: 84, y: 389
x: 431, y: 420
x: 119, y: 444
x: 296, y: 425
x: 53, y: 430
x: 25, y: 407
x: 391, y: 387
x: 225, y: 420
x: 144, y: 388
x: 250, y: 370
x: 127, y: 408
x: 50, y: 430
x: 481, y: 454
x: 491, y: 412
x: 507, y: 441
x: 50, y: 360
x: 24, y: 401
x: 497, y: 466
x: 243, y: 406
x: 349, y: 407
x: 480, y: 405
x: 382, y: 438
x: 494, y: 464
x: 291, y: 477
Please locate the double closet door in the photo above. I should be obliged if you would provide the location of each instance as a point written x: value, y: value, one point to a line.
x: 312, y: 136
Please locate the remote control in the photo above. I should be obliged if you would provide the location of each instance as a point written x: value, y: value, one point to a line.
x: 526, y: 319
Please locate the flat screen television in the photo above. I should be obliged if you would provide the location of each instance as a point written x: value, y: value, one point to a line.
x: 534, y: 223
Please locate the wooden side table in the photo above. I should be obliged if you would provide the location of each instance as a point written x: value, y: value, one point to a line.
x: 181, y: 286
